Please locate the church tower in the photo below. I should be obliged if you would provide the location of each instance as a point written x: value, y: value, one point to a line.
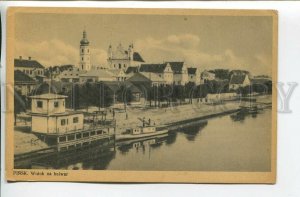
x: 85, y: 61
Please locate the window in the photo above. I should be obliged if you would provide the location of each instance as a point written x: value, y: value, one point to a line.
x: 75, y: 120
x: 78, y: 135
x: 82, y: 50
x: 63, y: 122
x: 93, y: 133
x: 62, y: 138
x: 39, y: 104
x: 99, y: 132
x: 55, y: 103
x: 63, y: 103
x: 86, y: 134
x: 71, y: 137
x: 82, y: 58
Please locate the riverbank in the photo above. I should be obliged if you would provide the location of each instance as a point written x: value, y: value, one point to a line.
x: 27, y: 142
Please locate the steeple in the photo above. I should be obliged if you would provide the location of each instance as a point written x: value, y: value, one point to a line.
x: 84, y: 40
x: 85, y: 61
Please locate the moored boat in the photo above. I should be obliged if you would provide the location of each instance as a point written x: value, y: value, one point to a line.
x: 140, y: 132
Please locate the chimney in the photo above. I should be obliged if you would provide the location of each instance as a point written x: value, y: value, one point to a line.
x: 20, y: 57
x: 29, y: 58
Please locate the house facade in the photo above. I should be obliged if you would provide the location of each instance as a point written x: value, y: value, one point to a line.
x: 180, y: 73
x: 49, y: 115
x: 239, y: 80
x: 194, y: 75
x: 207, y: 76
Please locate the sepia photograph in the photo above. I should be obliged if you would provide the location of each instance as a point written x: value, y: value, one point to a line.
x: 141, y: 95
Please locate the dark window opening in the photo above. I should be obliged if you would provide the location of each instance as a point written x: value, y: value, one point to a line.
x: 63, y: 122
x: 62, y: 138
x: 55, y: 103
x: 39, y: 104
x: 85, y: 134
x: 75, y: 120
x: 71, y: 137
x: 78, y: 135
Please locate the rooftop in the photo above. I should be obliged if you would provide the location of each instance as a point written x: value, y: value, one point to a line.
x: 237, y: 79
x: 192, y: 71
x: 48, y: 96
x: 21, y: 77
x: 27, y: 63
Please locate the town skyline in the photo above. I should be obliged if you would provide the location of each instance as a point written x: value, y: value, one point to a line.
x: 233, y: 48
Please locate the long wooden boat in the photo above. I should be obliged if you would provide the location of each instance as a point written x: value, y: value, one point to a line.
x: 140, y: 132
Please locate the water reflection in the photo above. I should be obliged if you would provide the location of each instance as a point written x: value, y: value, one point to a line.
x: 192, y: 131
x: 241, y: 115
x: 162, y: 152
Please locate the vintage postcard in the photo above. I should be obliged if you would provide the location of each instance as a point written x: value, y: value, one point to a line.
x: 141, y: 95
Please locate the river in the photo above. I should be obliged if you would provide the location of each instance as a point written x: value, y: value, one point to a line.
x: 235, y: 142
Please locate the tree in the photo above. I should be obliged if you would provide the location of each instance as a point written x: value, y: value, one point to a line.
x: 20, y: 104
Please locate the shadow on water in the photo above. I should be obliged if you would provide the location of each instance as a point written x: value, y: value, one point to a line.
x: 141, y: 144
x: 242, y: 115
x: 191, y: 131
x: 90, y: 157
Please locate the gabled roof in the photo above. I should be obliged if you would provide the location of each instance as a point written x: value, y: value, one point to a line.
x: 176, y: 67
x: 192, y: 71
x: 154, y: 68
x: 137, y: 57
x: 131, y: 69
x: 112, y: 85
x: 237, y: 79
x: 27, y: 63
x: 138, y: 77
x: 21, y: 77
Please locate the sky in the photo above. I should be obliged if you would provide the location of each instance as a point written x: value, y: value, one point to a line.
x: 207, y: 42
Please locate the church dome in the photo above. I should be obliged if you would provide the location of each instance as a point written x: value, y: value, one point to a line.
x: 84, y: 40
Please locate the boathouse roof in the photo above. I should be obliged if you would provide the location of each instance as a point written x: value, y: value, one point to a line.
x: 48, y: 96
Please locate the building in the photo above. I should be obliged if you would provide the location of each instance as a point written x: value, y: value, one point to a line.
x: 85, y: 57
x: 170, y: 72
x: 164, y: 71
x: 238, y: 81
x: 23, y: 83
x: 194, y: 75
x: 118, y: 75
x: 49, y: 115
x: 30, y: 67
x: 180, y: 73
x: 146, y: 80
x: 207, y: 76
x: 71, y: 75
x: 122, y: 59
x: 96, y: 76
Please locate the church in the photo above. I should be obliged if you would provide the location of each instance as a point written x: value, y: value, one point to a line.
x: 121, y: 59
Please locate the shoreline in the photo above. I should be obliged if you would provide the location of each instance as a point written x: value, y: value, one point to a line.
x: 168, y: 118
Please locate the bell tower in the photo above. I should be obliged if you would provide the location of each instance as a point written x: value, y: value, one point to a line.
x: 85, y: 61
